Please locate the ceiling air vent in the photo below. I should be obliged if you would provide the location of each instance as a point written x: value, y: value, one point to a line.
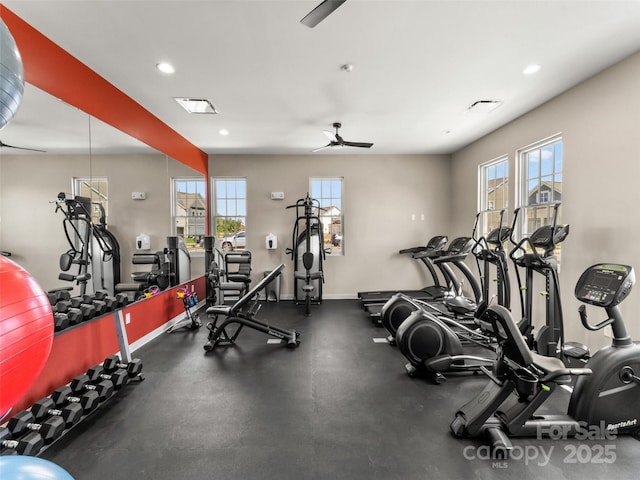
x: 196, y: 105
x: 483, y: 106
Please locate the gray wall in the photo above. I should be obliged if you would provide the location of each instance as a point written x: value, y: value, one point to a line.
x: 31, y: 230
x: 599, y: 120
x: 380, y: 195
x: 600, y: 124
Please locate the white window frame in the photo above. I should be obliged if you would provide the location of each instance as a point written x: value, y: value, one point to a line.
x: 214, y: 209
x: 489, y: 210
x: 524, y: 180
x: 328, y: 227
x: 197, y: 245
x: 96, y: 196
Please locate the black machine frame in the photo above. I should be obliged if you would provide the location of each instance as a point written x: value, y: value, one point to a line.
x: 308, y: 277
x: 243, y: 313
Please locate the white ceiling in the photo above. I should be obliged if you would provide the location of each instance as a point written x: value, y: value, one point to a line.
x: 278, y: 84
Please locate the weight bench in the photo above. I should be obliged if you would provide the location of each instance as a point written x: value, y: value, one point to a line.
x: 243, y: 314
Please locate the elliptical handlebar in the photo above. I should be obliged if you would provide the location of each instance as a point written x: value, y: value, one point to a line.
x: 526, y: 241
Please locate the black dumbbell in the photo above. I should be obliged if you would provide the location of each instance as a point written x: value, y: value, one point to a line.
x: 87, y: 309
x: 60, y: 321
x: 82, y: 383
x: 123, y: 299
x: 24, y: 421
x: 118, y: 377
x: 110, y: 302
x: 64, y: 395
x: 100, y: 306
x: 74, y: 315
x: 29, y: 444
x: 57, y: 295
x: 45, y: 407
x: 133, y: 368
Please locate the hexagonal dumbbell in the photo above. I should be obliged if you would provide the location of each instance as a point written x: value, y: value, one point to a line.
x: 64, y: 395
x: 49, y: 430
x: 29, y: 444
x: 133, y: 368
x: 118, y: 377
x: 45, y: 407
x: 82, y: 383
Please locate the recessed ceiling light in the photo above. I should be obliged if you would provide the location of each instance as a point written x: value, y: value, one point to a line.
x: 531, y: 69
x: 196, y: 105
x: 223, y: 131
x: 165, y: 67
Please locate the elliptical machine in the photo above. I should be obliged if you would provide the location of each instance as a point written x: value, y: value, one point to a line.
x: 433, y: 337
x: 535, y: 254
x: 94, y: 252
x: 606, y: 396
x: 307, y: 253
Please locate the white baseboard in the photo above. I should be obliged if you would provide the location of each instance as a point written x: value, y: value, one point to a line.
x: 142, y: 341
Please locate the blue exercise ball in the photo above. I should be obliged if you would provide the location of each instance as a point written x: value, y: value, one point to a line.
x: 22, y: 467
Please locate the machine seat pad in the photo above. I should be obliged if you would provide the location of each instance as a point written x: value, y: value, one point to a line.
x: 549, y: 365
x: 219, y: 310
x: 129, y: 287
x: 308, y: 288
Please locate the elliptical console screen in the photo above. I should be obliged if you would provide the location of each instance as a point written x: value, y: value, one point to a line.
x: 605, y: 285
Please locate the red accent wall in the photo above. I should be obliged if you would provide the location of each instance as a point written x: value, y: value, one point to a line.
x: 78, y: 348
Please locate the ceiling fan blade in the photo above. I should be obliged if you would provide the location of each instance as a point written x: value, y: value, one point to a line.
x: 321, y: 148
x: 330, y: 135
x: 2, y: 144
x: 358, y: 144
x: 322, y: 11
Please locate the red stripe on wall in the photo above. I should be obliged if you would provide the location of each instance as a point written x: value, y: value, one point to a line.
x: 54, y: 70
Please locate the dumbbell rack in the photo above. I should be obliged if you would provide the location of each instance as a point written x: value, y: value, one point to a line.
x: 125, y: 358
x: 62, y: 398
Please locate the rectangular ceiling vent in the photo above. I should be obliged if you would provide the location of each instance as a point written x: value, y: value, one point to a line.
x: 482, y: 107
x: 196, y: 105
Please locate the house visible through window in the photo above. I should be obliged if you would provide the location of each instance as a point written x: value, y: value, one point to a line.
x: 95, y: 188
x: 494, y: 194
x: 189, y: 211
x: 230, y: 196
x: 328, y: 192
x: 540, y: 182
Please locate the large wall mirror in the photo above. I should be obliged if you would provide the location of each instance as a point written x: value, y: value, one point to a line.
x: 83, y: 155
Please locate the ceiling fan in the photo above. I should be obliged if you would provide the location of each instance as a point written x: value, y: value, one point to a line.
x: 322, y: 11
x: 336, y: 141
x: 4, y: 145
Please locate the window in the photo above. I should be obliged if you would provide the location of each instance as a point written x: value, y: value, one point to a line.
x: 230, y: 196
x: 494, y: 194
x: 189, y: 211
x: 328, y: 192
x: 95, y: 188
x: 540, y: 182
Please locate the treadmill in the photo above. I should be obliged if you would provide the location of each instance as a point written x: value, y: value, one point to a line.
x: 455, y: 255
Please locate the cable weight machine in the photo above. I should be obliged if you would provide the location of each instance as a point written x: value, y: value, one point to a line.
x: 307, y: 253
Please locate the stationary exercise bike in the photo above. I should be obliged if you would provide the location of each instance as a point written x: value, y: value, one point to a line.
x: 606, y: 395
